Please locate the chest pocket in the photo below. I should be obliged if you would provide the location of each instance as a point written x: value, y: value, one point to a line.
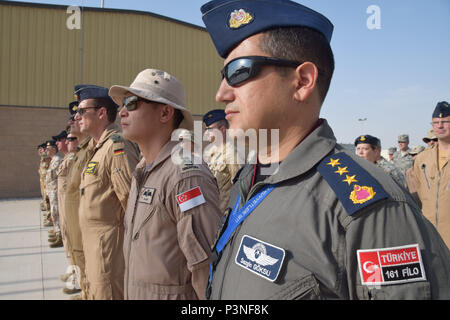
x: 305, y: 288
x: 91, y: 177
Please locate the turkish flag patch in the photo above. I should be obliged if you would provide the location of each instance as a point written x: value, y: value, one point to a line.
x: 190, y: 199
x: 391, y: 265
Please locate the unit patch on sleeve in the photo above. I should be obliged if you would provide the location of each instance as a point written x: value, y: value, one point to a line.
x: 259, y: 257
x: 190, y: 199
x: 391, y: 265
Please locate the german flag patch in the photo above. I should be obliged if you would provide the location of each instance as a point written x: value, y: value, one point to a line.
x: 118, y: 152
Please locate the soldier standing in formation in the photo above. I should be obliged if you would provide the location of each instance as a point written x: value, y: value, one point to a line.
x: 402, y: 159
x: 221, y: 155
x: 432, y: 173
x: 105, y: 185
x: 369, y: 148
x: 173, y: 211
x: 316, y: 227
x: 72, y: 199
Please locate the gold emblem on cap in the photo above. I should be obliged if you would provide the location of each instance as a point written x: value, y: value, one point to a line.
x: 75, y: 96
x: 363, y: 138
x: 239, y: 17
x: 440, y: 115
x: 74, y: 108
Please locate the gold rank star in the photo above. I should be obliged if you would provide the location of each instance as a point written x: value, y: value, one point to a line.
x: 350, y: 179
x: 333, y: 162
x: 341, y: 170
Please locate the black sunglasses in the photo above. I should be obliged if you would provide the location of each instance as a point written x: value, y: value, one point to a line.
x: 82, y: 111
x: 243, y: 68
x: 70, y: 139
x: 131, y: 102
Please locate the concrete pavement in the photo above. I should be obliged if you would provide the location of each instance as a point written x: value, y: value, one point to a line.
x: 29, y: 268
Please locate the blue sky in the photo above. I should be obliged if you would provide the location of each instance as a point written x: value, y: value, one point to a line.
x: 393, y: 76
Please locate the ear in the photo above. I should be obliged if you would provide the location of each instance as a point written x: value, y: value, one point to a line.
x: 306, y: 80
x: 102, y: 114
x: 166, y: 113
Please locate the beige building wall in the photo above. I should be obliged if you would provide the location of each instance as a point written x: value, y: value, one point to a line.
x: 41, y: 60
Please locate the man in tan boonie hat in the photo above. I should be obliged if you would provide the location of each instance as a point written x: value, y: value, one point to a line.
x: 173, y: 208
x: 430, y: 139
x: 158, y: 86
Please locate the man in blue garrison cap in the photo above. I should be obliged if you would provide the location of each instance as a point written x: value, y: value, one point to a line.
x: 326, y: 224
x: 104, y: 188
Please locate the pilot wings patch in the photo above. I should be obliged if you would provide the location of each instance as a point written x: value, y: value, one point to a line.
x: 259, y: 257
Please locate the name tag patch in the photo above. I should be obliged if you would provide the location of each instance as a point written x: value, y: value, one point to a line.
x: 391, y: 265
x: 259, y: 257
x: 91, y: 168
x: 146, y: 195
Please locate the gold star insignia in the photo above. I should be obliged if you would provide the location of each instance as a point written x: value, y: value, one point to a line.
x: 341, y: 170
x: 350, y: 179
x: 333, y: 162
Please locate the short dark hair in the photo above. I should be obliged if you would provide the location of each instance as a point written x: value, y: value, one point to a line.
x: 109, y: 105
x: 302, y: 44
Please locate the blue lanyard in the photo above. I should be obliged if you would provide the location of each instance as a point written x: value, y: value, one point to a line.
x: 237, y: 216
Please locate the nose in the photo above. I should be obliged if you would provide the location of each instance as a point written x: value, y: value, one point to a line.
x: 77, y: 117
x: 225, y: 93
x: 123, y: 112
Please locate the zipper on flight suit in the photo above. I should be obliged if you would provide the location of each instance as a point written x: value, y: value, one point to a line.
x: 437, y: 198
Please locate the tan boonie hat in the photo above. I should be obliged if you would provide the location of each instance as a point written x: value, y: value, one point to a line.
x: 403, y: 138
x: 416, y: 150
x: 159, y: 86
x: 430, y: 136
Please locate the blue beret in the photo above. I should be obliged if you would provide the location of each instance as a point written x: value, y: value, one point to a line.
x: 230, y: 22
x: 213, y: 116
x: 61, y: 135
x: 442, y: 110
x: 368, y: 139
x: 89, y: 91
x: 73, y: 106
x: 50, y: 143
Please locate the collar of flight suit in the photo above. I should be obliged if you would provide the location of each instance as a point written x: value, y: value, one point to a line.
x: 163, y: 154
x: 306, y: 155
x: 83, y: 143
x: 109, y: 130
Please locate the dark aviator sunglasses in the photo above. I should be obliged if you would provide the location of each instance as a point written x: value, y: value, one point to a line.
x: 243, y: 68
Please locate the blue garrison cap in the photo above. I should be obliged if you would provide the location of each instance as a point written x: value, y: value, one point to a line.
x: 231, y: 21
x: 442, y: 110
x: 73, y: 106
x: 213, y: 116
x: 61, y: 135
x: 368, y: 139
x: 89, y: 91
x: 49, y: 143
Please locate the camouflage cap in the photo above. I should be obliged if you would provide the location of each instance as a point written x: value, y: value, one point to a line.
x: 416, y: 150
x: 403, y: 138
x: 391, y: 150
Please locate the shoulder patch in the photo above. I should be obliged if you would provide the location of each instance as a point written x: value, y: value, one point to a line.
x: 115, y: 137
x: 353, y: 185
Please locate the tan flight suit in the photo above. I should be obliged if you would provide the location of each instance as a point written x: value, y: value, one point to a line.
x: 167, y: 251
x: 319, y: 221
x: 224, y: 166
x: 71, y: 205
x: 51, y: 185
x: 105, y: 185
x: 62, y: 186
x: 433, y: 188
x: 43, y: 166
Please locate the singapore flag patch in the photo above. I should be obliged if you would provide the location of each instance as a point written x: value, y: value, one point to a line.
x: 190, y: 199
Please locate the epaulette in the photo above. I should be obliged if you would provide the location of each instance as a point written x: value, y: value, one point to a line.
x: 115, y: 137
x: 187, y: 165
x: 353, y: 185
